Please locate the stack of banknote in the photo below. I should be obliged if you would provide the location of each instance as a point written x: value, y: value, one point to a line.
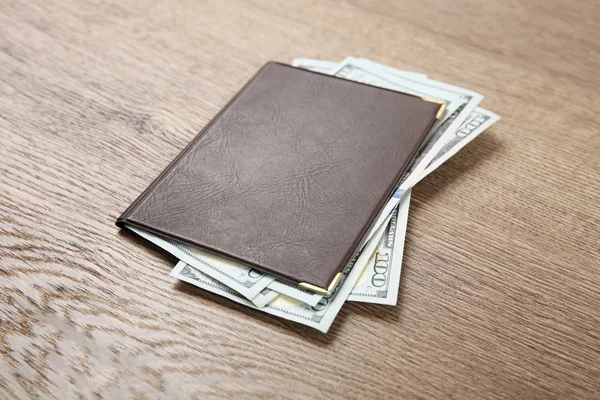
x: 373, y: 276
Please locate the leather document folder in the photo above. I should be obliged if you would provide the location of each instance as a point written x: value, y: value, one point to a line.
x: 289, y: 176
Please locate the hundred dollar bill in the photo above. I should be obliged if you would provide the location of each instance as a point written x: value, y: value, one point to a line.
x: 279, y: 286
x: 247, y: 281
x: 477, y: 122
x: 319, y: 317
x: 294, y: 291
x: 326, y: 67
x: 314, y: 65
x: 394, y: 71
x: 380, y: 280
x: 264, y: 297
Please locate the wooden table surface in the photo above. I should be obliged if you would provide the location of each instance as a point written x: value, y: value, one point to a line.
x: 500, y: 292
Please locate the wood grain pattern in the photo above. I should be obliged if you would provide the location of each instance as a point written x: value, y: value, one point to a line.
x: 500, y: 294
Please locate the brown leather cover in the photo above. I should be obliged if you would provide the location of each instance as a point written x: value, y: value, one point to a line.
x: 290, y: 175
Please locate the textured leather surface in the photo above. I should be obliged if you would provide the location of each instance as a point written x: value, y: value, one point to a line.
x: 289, y: 176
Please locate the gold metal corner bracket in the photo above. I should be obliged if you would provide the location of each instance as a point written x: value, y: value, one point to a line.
x: 442, y: 106
x: 320, y: 290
